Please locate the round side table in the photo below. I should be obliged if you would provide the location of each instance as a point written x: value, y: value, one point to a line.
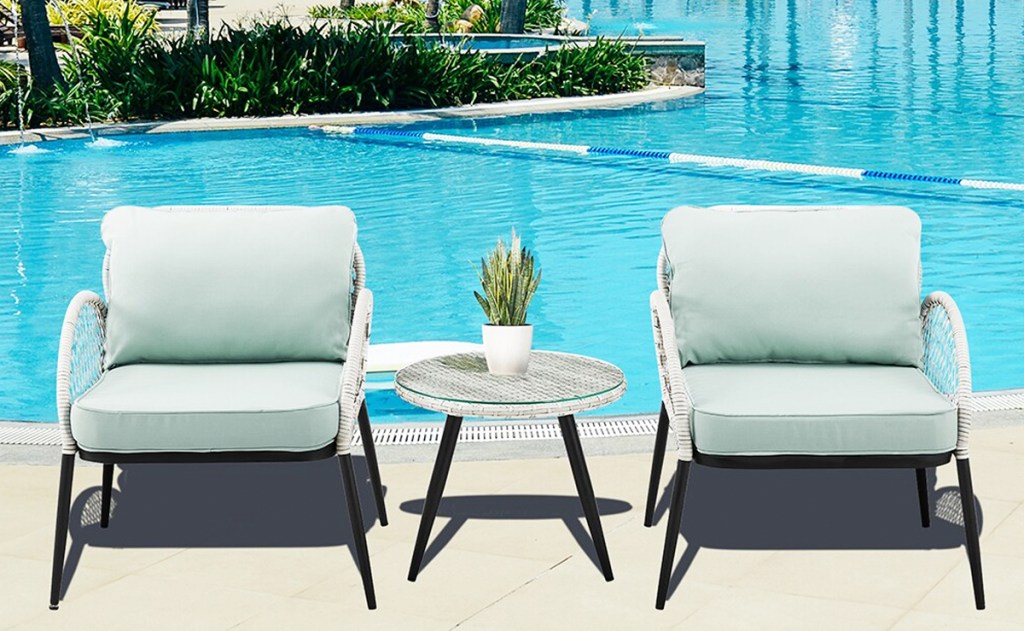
x: 556, y: 384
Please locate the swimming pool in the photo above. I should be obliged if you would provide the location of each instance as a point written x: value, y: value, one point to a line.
x: 929, y: 88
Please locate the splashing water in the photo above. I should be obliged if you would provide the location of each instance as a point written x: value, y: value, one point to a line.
x: 22, y: 148
x: 17, y: 79
x: 105, y: 143
x: 27, y: 150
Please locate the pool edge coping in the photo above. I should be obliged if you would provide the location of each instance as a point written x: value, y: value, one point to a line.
x: 504, y: 108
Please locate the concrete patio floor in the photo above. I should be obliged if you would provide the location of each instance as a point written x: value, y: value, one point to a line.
x: 267, y: 546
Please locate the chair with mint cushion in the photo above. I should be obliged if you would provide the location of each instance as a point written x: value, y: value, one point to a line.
x: 794, y: 337
x: 228, y: 334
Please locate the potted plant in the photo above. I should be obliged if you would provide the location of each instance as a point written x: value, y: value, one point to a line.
x: 508, y: 282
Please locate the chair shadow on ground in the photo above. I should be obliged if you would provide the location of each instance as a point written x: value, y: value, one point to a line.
x: 461, y: 508
x: 811, y: 509
x: 232, y: 505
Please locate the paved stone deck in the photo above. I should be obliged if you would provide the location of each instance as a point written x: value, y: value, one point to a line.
x: 267, y: 546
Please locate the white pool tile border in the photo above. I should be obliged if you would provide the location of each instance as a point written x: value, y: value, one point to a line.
x: 999, y: 401
x: 493, y: 431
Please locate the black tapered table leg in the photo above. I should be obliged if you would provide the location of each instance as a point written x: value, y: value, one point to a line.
x: 922, y: 498
x: 437, y: 481
x: 371, y: 463
x: 108, y: 482
x: 675, y: 515
x: 355, y: 516
x: 60, y: 539
x: 586, y: 491
x: 660, y: 440
x: 963, y: 472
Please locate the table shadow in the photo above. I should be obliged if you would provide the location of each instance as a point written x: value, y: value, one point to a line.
x: 461, y: 508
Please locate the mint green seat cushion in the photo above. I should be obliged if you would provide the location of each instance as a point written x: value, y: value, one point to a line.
x: 228, y: 284
x: 796, y: 284
x: 825, y: 409
x: 210, y: 407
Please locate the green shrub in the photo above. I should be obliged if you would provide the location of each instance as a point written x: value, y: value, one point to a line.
x: 330, y: 12
x: 80, y: 12
x: 272, y: 69
x: 605, y: 67
x: 10, y: 74
x: 409, y: 14
x: 111, y: 75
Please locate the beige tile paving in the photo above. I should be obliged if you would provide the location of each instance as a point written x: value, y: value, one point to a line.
x: 1007, y: 537
x: 991, y: 471
x: 454, y: 585
x: 1004, y: 577
x: 314, y: 614
x: 278, y: 571
x: 521, y: 557
x: 1008, y: 439
x: 765, y: 610
x: 547, y: 603
x: 38, y: 545
x: 25, y: 587
x: 923, y: 621
x: 140, y: 602
x: 896, y: 578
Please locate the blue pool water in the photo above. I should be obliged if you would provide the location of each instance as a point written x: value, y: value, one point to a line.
x: 914, y: 86
x: 483, y: 43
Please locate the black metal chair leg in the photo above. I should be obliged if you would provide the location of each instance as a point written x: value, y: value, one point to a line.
x: 660, y: 440
x: 585, y: 490
x: 434, y: 491
x: 60, y: 539
x: 355, y: 516
x: 963, y: 472
x: 108, y: 482
x: 922, y: 498
x: 371, y: 463
x: 675, y: 515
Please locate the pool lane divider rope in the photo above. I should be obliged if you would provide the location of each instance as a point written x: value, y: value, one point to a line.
x: 672, y: 157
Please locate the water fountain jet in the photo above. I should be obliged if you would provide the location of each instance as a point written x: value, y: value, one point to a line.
x: 22, y: 148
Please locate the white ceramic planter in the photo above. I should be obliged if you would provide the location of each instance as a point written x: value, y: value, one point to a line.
x: 507, y: 348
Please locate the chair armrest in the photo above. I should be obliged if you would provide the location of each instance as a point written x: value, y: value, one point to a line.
x: 80, y: 358
x: 946, y: 361
x: 674, y: 394
x: 353, y: 374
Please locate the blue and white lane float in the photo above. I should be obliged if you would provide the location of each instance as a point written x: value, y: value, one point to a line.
x: 673, y: 157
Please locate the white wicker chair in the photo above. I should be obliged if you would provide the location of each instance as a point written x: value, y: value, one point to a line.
x: 946, y: 364
x: 81, y: 364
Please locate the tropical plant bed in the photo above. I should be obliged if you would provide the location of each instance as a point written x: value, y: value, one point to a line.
x: 132, y: 73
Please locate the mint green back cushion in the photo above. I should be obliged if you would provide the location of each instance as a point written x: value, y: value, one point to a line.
x: 795, y: 284
x: 228, y: 284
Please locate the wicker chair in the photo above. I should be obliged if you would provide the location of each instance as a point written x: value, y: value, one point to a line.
x: 792, y: 337
x: 233, y: 334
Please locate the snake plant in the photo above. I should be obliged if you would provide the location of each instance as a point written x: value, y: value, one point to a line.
x: 508, y: 281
